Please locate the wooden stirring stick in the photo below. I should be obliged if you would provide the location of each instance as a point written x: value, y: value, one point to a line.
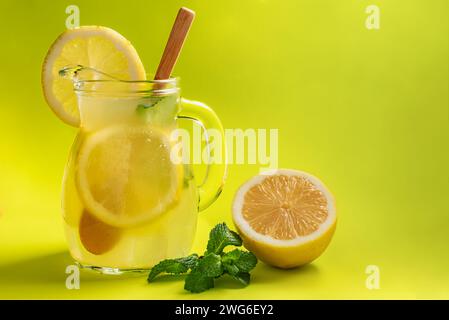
x: 178, y: 34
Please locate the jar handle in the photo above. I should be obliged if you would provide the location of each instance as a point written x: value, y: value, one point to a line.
x: 213, y: 182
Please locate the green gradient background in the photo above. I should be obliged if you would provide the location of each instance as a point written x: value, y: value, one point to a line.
x: 364, y: 110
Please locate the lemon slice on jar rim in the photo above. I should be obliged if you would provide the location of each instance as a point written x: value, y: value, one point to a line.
x: 96, y: 47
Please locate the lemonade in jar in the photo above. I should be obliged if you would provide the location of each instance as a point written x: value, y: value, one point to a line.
x: 126, y: 203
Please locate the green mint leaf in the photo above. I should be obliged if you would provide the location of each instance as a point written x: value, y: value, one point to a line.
x: 242, y: 277
x: 174, y: 266
x: 140, y: 110
x: 202, y: 276
x: 210, y: 266
x: 230, y: 268
x: 152, y: 102
x: 197, y: 282
x: 190, y: 261
x: 237, y: 261
x: 143, y: 106
x: 221, y: 237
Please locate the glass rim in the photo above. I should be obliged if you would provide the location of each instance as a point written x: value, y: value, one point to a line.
x: 159, y: 87
x: 173, y: 80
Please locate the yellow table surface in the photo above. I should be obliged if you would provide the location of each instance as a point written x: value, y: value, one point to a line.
x: 364, y: 110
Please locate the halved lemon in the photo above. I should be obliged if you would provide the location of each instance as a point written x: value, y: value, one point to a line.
x: 286, y: 217
x: 125, y: 176
x: 96, y: 47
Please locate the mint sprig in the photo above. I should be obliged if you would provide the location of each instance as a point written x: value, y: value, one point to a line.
x: 213, y: 264
x: 174, y: 266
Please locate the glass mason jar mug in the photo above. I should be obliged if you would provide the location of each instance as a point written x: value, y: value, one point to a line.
x: 126, y: 204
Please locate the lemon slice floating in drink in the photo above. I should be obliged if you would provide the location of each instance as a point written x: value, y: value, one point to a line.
x: 125, y: 175
x: 96, y: 236
x: 287, y: 218
x: 95, y: 47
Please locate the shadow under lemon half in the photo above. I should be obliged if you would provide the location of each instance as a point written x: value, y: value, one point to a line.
x: 286, y: 217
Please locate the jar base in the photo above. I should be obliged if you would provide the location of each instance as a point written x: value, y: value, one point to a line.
x: 114, y: 271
